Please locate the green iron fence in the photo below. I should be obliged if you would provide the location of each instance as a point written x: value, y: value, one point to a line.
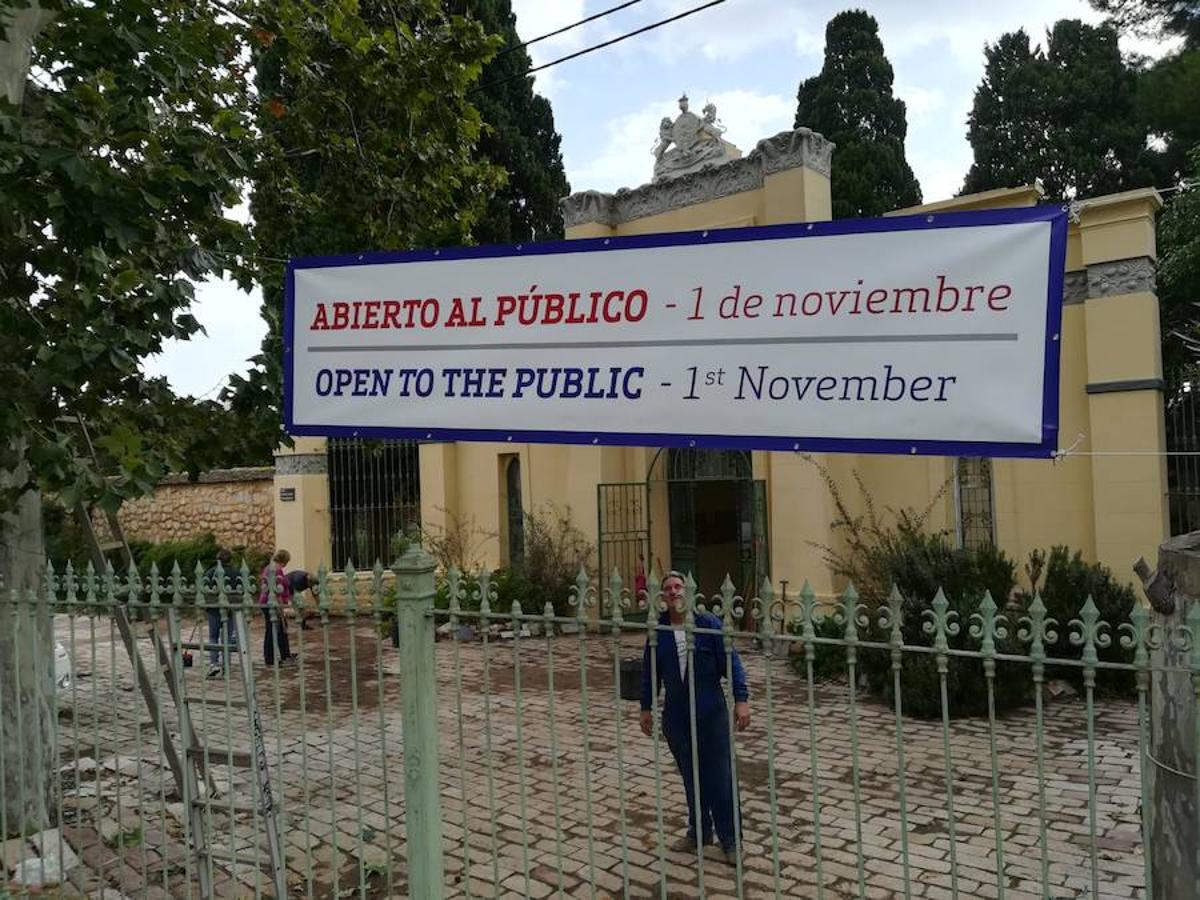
x: 492, y: 753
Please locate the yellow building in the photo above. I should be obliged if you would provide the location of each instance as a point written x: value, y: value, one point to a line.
x: 753, y: 514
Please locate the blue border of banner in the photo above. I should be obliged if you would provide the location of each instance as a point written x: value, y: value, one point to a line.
x: 1054, y: 214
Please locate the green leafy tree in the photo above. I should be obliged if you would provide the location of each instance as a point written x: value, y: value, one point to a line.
x: 1179, y: 275
x: 1175, y: 17
x: 850, y: 102
x: 1169, y: 87
x: 1066, y: 115
x: 122, y: 129
x: 367, y: 142
x: 1168, y: 100
x: 518, y: 136
x: 1169, y: 103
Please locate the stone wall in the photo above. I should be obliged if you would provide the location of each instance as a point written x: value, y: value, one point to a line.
x: 236, y: 505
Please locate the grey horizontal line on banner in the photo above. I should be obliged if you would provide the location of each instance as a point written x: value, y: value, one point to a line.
x: 699, y: 342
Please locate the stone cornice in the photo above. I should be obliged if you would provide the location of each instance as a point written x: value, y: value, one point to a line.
x: 801, y: 148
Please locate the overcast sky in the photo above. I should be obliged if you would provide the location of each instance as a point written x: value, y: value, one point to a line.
x: 747, y: 57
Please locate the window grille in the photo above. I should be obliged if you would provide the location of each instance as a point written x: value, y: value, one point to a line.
x: 374, y: 493
x: 973, y: 492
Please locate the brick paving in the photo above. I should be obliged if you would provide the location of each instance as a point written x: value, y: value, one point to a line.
x: 334, y: 741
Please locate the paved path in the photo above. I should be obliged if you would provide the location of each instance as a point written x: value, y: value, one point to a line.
x: 341, y: 767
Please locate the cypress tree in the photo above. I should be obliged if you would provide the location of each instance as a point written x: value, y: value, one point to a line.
x: 850, y: 102
x: 518, y: 136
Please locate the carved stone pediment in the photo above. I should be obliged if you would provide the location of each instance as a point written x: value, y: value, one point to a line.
x: 800, y: 148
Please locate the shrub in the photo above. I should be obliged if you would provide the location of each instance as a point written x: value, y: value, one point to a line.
x: 507, y: 586
x: 554, y: 550
x: 829, y: 660
x: 1065, y: 581
x: 457, y: 544
x: 921, y: 563
x: 904, y: 553
x: 202, y: 549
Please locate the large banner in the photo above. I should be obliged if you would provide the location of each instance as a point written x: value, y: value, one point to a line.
x: 925, y: 334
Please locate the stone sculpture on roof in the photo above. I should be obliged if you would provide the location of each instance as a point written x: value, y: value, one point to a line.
x: 690, y: 143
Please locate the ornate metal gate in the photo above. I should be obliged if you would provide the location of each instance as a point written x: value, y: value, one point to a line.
x: 1183, y: 444
x: 623, y: 511
x: 692, y: 477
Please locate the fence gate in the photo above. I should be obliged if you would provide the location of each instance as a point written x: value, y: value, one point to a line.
x: 1180, y: 404
x: 623, y: 512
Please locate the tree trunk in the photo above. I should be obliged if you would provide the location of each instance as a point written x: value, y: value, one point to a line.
x: 27, y: 701
x: 1173, y: 589
x: 21, y: 27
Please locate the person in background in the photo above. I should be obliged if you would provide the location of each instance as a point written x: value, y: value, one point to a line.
x: 275, y: 637
x: 301, y: 581
x: 716, y: 809
x: 221, y: 573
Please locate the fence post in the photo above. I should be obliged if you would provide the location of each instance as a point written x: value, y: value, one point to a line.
x: 422, y: 803
x: 1174, y: 749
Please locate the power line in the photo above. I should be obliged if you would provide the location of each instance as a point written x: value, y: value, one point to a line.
x: 566, y: 28
x: 600, y: 46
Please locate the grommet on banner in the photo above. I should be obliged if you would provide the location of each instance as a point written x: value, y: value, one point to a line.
x: 437, y: 252
x: 929, y: 218
x: 509, y: 438
x: 595, y: 440
x: 429, y: 436
x: 360, y: 257
x: 1054, y: 338
x: 704, y: 234
x: 795, y: 446
x: 691, y: 443
x: 809, y: 227
x: 606, y: 242
x: 912, y: 450
x: 519, y: 248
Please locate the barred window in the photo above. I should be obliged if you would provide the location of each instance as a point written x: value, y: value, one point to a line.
x: 374, y: 493
x: 973, y: 495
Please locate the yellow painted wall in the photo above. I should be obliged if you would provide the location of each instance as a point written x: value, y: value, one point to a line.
x: 302, y: 526
x: 1110, y: 507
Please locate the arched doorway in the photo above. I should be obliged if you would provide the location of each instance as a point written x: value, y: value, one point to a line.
x: 718, y: 518
x: 698, y: 511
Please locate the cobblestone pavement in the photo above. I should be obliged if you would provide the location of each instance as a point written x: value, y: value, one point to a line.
x: 334, y: 741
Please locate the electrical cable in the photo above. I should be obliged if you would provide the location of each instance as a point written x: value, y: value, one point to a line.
x: 566, y: 28
x: 595, y: 47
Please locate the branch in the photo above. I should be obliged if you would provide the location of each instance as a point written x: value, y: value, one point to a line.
x: 16, y: 49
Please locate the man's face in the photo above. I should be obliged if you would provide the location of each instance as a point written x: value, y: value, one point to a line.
x: 673, y: 592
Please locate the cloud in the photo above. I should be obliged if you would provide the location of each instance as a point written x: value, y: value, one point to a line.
x: 922, y: 104
x: 723, y: 33
x: 538, y: 17
x: 235, y: 329
x: 625, y: 160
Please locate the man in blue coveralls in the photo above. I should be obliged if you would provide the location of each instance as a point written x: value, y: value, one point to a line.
x: 718, y: 807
